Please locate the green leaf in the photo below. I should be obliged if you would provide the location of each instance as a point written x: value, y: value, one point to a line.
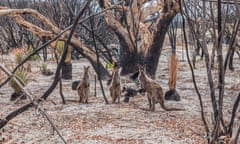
x: 109, y: 65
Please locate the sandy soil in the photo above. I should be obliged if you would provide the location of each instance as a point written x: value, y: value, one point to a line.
x: 123, y: 123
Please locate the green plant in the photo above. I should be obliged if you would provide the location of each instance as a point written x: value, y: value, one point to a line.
x: 19, y: 58
x: 109, y: 65
x: 45, y: 70
x: 30, y: 50
x: 44, y: 67
x: 34, y: 58
x: 60, y: 48
x: 22, y: 77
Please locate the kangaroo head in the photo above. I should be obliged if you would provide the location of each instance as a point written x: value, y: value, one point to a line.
x: 115, y: 68
x: 142, y: 71
x: 86, y: 70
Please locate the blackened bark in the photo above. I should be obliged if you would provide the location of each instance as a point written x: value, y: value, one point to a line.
x: 155, y: 50
x: 221, y: 72
x: 4, y: 121
x: 67, y: 70
x: 232, y: 47
x: 172, y: 94
x: 44, y: 50
x: 230, y: 66
x: 128, y: 59
x: 147, y: 52
x: 192, y: 72
x: 103, y: 71
x: 97, y: 54
x: 214, y: 35
x: 234, y: 110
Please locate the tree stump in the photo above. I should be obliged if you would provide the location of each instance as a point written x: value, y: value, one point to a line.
x: 75, y: 84
x: 172, y: 94
x: 67, y: 70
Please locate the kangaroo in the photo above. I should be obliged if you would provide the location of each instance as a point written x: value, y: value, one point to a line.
x: 84, y: 87
x: 153, y: 89
x: 115, y: 85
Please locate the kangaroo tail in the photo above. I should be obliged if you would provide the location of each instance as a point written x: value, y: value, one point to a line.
x: 173, y: 109
x: 170, y: 109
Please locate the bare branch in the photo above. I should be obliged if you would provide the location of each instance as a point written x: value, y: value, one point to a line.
x: 234, y: 110
x: 193, y: 76
x: 32, y: 28
x: 12, y: 12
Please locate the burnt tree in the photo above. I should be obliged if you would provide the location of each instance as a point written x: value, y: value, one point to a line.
x: 140, y: 28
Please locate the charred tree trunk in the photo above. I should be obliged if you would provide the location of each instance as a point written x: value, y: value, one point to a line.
x: 156, y: 47
x: 232, y: 47
x: 152, y: 56
x: 138, y: 44
x: 128, y: 59
x: 67, y: 70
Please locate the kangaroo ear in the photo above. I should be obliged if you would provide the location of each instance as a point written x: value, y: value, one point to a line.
x: 139, y: 66
x: 113, y: 63
x: 144, y: 67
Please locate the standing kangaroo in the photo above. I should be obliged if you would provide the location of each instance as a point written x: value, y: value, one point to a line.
x: 84, y: 87
x: 153, y: 89
x: 115, y: 85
